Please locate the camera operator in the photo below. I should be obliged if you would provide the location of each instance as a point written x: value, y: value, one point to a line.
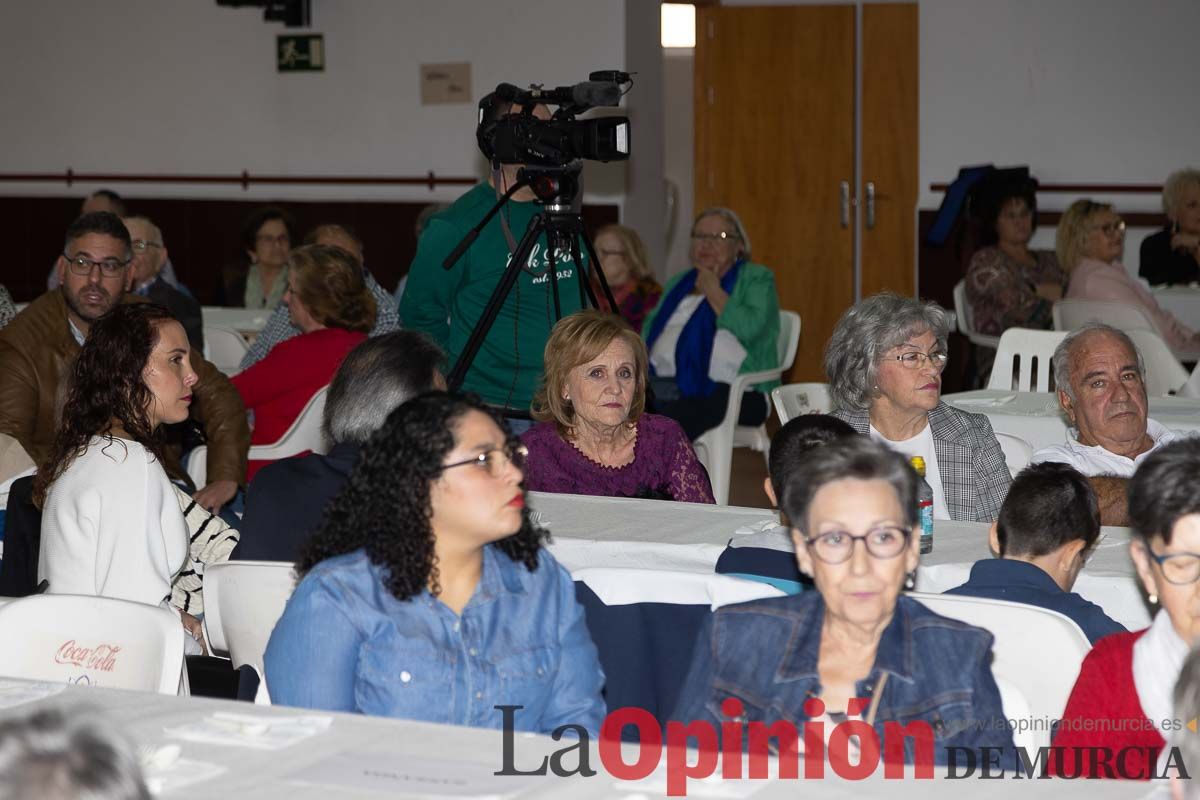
x: 446, y: 304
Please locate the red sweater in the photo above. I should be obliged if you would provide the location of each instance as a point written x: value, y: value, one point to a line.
x: 277, y: 387
x: 1104, y: 711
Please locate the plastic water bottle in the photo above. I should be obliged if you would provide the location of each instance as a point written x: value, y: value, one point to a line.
x: 924, y: 505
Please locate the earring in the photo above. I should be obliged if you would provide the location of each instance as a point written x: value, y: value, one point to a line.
x: 1153, y: 598
x: 910, y: 581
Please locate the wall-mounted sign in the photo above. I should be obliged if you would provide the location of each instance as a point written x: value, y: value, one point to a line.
x: 304, y: 53
x: 445, y: 83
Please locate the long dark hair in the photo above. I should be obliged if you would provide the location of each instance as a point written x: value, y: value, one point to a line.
x: 107, y: 388
x: 385, y: 507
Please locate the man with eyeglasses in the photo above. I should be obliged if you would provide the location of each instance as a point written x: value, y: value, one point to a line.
x: 38, y: 347
x: 149, y: 255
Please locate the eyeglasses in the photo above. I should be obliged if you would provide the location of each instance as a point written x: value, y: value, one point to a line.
x: 494, y: 460
x: 1111, y: 228
x: 1178, y: 568
x: 835, y: 547
x: 266, y: 238
x: 916, y: 359
x: 142, y: 246
x: 82, y: 265
x: 713, y: 237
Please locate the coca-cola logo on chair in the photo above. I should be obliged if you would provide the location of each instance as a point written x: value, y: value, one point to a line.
x: 100, y: 657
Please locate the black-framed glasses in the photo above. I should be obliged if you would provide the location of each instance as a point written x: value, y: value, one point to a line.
x: 495, y: 459
x: 915, y: 359
x: 1178, y: 568
x: 142, y: 246
x: 836, y: 547
x: 82, y: 265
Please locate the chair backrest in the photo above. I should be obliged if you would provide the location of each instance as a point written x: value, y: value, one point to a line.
x: 1164, y: 373
x: 789, y: 339
x: 1036, y: 650
x: 91, y: 641
x: 304, y: 433
x: 1017, y: 452
x: 796, y: 399
x: 224, y: 347
x: 965, y: 319
x: 1072, y: 314
x: 1023, y: 360
x: 242, y: 602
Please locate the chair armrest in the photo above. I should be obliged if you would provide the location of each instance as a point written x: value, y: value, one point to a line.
x: 740, y: 384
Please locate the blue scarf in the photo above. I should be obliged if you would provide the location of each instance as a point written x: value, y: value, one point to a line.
x: 693, y: 351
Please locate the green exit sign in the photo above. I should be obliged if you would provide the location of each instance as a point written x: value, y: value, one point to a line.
x: 300, y: 53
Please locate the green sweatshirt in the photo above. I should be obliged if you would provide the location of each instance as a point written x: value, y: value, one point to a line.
x: 446, y: 304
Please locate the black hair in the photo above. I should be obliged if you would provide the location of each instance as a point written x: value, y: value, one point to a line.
x: 1048, y: 505
x: 1165, y: 489
x: 797, y: 437
x: 102, y: 222
x: 261, y: 216
x: 994, y: 195
x: 386, y: 509
x: 117, y: 201
x: 858, y: 458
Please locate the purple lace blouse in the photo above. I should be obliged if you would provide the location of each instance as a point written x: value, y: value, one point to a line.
x: 664, y: 465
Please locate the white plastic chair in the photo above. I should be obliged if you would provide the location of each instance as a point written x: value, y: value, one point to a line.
x: 1072, y: 314
x: 1037, y: 651
x: 1017, y: 452
x: 224, y: 348
x: 715, y: 446
x: 797, y: 399
x: 1027, y: 352
x: 966, y: 319
x: 1164, y: 374
x: 92, y: 641
x: 242, y: 602
x: 305, y: 434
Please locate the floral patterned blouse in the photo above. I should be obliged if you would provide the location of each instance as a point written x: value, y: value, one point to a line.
x: 1003, y: 292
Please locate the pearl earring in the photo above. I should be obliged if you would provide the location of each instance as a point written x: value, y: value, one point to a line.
x: 910, y: 581
x: 1153, y: 598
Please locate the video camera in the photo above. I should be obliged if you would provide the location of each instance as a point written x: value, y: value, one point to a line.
x: 522, y: 138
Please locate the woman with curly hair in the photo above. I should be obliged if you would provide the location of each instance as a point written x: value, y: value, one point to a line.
x: 427, y: 594
x: 111, y: 524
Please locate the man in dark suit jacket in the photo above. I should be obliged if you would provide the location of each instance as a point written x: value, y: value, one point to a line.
x: 286, y: 500
x: 149, y: 255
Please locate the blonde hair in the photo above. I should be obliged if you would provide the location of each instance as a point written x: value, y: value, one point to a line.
x: 1173, y: 189
x: 576, y: 340
x: 1073, y: 231
x: 329, y: 282
x: 635, y: 250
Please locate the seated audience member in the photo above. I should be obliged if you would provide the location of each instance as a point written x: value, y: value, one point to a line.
x: 67, y: 754
x: 715, y: 321
x: 149, y: 255
x: 423, y: 218
x: 1091, y: 238
x: 593, y: 436
x: 884, y: 362
x: 285, y: 501
x: 856, y: 532
x: 279, y: 325
x: 1101, y: 389
x: 1187, y: 708
x: 427, y: 593
x: 111, y: 523
x: 267, y: 237
x: 39, y: 344
x: 1173, y: 254
x: 764, y: 552
x: 1123, y: 692
x: 327, y: 300
x: 624, y: 263
x: 8, y: 309
x: 1047, y: 527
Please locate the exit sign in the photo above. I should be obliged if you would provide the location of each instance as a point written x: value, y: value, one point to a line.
x: 300, y: 53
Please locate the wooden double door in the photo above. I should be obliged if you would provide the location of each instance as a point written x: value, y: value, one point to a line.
x: 826, y: 186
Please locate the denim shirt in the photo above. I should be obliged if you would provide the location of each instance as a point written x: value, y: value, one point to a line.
x: 345, y: 643
x: 764, y: 653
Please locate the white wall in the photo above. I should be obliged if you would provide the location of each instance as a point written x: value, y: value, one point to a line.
x: 185, y: 86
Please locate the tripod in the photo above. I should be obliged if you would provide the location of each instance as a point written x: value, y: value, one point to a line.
x: 555, y: 189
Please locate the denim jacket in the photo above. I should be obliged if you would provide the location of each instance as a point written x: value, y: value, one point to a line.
x: 345, y: 643
x: 764, y: 653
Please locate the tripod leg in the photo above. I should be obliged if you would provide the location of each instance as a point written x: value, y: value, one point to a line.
x: 608, y: 295
x: 551, y: 247
x: 587, y: 295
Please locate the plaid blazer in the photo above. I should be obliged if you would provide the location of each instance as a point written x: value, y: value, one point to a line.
x: 975, y: 477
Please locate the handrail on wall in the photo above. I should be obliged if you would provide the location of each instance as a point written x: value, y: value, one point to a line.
x: 1083, y: 188
x: 244, y: 179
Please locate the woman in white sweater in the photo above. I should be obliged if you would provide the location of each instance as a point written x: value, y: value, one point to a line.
x: 111, y: 525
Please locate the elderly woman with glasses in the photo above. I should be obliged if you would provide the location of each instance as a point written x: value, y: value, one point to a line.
x: 885, y: 362
x: 1173, y: 254
x: 427, y: 594
x: 1091, y: 239
x: 1122, y: 696
x: 854, y: 648
x: 716, y: 320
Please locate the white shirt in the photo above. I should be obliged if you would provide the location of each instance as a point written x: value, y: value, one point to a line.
x: 112, y: 526
x: 727, y: 353
x: 922, y: 445
x: 1093, y: 460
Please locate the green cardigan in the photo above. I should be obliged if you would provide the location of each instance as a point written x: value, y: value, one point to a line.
x: 751, y: 314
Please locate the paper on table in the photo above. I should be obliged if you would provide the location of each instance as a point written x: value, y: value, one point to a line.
x: 181, y: 772
x: 251, y: 730
x: 408, y: 775
x: 15, y: 693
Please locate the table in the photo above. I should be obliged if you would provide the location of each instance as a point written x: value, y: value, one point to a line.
x: 242, y: 320
x: 467, y: 754
x: 1035, y: 416
x: 1182, y: 301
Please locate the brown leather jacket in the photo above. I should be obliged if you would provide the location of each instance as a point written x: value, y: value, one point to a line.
x: 37, y: 350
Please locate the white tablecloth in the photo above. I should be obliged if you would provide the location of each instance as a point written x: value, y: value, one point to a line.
x: 1182, y: 301
x: 243, y: 320
x: 1035, y: 416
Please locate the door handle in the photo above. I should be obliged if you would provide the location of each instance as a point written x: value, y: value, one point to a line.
x: 845, y: 186
x: 870, y: 204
